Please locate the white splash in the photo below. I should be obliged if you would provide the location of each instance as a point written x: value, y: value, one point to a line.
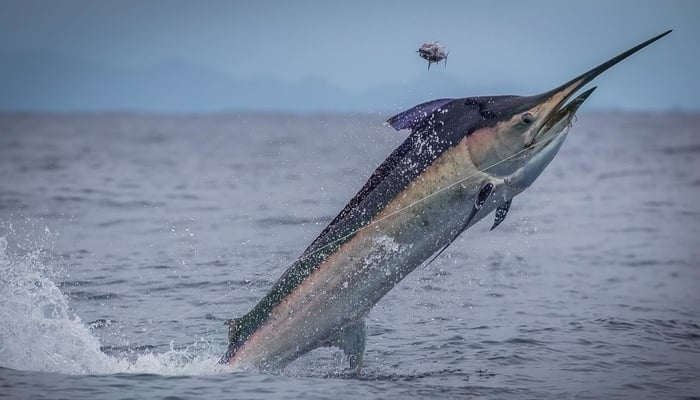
x: 386, y: 249
x: 39, y: 332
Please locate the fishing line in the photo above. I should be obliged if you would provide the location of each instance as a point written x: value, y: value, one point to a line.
x: 374, y: 222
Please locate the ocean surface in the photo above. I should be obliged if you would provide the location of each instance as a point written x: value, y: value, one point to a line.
x: 126, y: 240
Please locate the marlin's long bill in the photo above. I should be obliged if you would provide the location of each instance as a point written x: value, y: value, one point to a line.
x: 463, y: 159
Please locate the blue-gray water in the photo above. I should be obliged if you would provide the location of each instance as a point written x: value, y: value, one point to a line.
x: 127, y: 239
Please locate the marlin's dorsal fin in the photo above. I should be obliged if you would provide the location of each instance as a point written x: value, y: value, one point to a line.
x: 501, y: 213
x: 415, y: 116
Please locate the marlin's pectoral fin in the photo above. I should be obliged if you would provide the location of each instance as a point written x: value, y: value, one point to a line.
x: 483, y: 195
x: 501, y: 213
x: 351, y: 340
x: 481, y: 198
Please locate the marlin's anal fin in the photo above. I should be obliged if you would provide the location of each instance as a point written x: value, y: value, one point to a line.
x: 351, y: 339
x: 501, y: 213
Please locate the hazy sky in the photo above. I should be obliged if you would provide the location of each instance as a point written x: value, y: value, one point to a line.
x: 522, y: 47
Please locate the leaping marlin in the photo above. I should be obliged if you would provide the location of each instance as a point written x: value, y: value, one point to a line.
x: 463, y: 159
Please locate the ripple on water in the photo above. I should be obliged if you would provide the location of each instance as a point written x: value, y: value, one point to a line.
x: 87, y: 295
x: 554, y: 308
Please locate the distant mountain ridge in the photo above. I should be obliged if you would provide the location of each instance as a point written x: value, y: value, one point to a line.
x: 53, y: 83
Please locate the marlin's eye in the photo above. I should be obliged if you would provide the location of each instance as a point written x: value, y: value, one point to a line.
x: 527, y: 118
